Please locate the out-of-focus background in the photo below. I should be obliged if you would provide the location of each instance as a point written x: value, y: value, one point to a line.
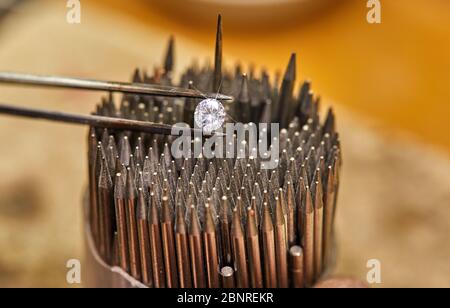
x: 389, y: 84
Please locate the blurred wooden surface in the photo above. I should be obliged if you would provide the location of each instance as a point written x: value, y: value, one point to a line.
x: 382, y: 78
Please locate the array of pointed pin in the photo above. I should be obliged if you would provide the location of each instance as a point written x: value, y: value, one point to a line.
x: 197, y: 222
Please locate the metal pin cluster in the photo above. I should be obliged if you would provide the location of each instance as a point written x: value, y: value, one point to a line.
x: 221, y: 222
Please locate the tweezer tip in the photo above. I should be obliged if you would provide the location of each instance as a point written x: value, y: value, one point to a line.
x: 223, y: 97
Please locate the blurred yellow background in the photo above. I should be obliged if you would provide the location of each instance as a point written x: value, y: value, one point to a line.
x: 388, y: 82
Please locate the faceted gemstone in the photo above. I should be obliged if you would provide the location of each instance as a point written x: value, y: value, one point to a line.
x: 209, y: 115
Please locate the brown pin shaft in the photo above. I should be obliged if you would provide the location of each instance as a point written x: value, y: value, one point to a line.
x: 93, y: 187
x: 225, y: 228
x: 239, y: 251
x: 296, y: 262
x: 121, y: 221
x: 196, y: 251
x: 254, y: 254
x: 182, y: 246
x: 217, y: 79
x: 168, y: 242
x: 144, y: 241
x: 105, y: 246
x: 156, y: 245
x: 318, y: 227
x: 135, y: 263
x: 308, y: 239
x: 227, y: 274
x: 105, y: 206
x: 268, y: 247
x: 211, y: 251
x: 328, y: 216
x: 291, y: 221
x: 281, y: 249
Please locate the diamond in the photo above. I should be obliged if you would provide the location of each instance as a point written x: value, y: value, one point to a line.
x: 209, y: 115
